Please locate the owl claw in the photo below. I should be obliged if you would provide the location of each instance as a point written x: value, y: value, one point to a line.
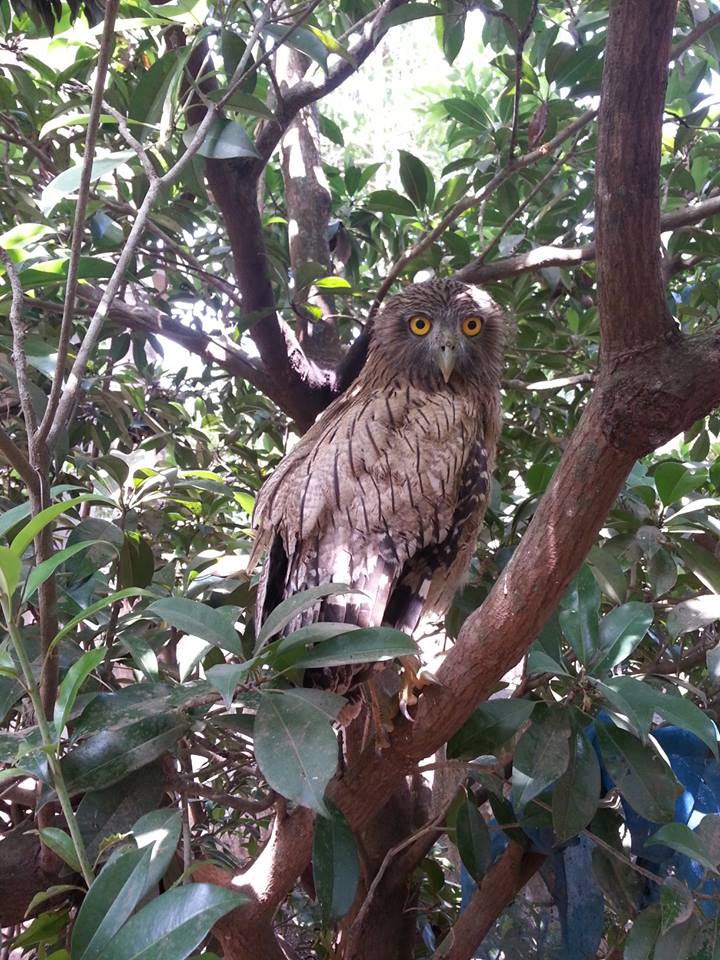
x: 404, y: 709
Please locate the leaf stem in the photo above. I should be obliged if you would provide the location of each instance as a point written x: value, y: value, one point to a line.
x: 49, y: 743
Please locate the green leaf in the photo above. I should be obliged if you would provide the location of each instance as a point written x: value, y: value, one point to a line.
x: 367, y: 645
x: 109, y: 902
x: 702, y: 563
x: 286, y: 611
x: 43, y: 571
x: 53, y: 273
x: 662, y: 571
x: 643, y: 935
x: 452, y: 32
x: 233, y: 49
x: 333, y: 283
x: 335, y: 866
x: 541, y: 756
x: 417, y: 179
x: 114, y: 810
x: 151, y: 93
x: 676, y: 903
x: 10, y: 569
x: 68, y: 181
x: 97, y: 606
x: 390, y: 201
x: 125, y: 881
x: 621, y: 631
x: 110, y: 756
x: 693, y: 614
x: 50, y: 894
x: 302, y: 40
x: 467, y: 112
x: 199, y: 620
x: 172, y: 925
x: 224, y: 140
x: 473, y: 839
x: 640, y: 774
x: 706, y: 943
x: 642, y: 700
x: 71, y: 684
x: 489, y: 727
x: 674, y: 481
x: 28, y: 533
x: 61, y: 843
x: 23, y: 235
x: 120, y: 708
x: 295, y: 748
x: 225, y: 677
x: 695, y: 506
x: 609, y: 573
x: 577, y: 792
x: 408, y: 12
x: 680, y: 837
x: 578, y: 615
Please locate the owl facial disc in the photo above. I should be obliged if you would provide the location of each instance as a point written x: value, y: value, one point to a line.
x: 446, y: 357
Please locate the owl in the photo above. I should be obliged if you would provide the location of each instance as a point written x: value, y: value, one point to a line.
x: 387, y: 490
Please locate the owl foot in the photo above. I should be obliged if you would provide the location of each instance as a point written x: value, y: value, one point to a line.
x: 415, y: 677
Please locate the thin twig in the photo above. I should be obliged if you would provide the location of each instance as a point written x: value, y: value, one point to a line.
x: 18, y: 353
x: 70, y: 391
x: 521, y: 40
x: 131, y: 141
x: 690, y: 38
x: 106, y: 47
x: 16, y: 458
x: 434, y: 825
x: 482, y: 256
x: 467, y: 203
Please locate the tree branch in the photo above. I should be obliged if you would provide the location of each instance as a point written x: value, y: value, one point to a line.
x: 520, y: 41
x: 17, y: 459
x: 304, y: 93
x: 222, y: 352
x: 499, y: 887
x: 694, y: 35
x: 631, y: 295
x: 69, y: 394
x: 642, y: 399
x: 106, y: 46
x: 467, y: 203
x: 542, y: 257
x: 18, y: 353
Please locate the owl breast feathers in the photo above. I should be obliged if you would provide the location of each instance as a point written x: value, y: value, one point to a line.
x: 387, y: 490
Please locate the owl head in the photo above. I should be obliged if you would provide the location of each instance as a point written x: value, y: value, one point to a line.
x: 443, y: 335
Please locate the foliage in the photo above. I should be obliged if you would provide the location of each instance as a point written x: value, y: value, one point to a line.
x: 603, y: 755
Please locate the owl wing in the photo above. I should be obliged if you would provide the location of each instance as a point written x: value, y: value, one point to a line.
x: 379, y: 494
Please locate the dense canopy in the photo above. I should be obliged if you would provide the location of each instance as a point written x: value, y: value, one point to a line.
x: 203, y: 205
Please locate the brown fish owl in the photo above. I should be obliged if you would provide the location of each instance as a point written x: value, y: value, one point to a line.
x: 388, y: 489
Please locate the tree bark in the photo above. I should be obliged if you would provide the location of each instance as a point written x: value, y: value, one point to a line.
x: 499, y: 887
x: 627, y: 183
x: 308, y: 206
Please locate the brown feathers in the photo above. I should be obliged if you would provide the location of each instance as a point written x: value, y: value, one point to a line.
x: 387, y: 490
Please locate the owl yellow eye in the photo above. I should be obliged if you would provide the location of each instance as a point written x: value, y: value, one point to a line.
x: 471, y: 326
x: 420, y: 325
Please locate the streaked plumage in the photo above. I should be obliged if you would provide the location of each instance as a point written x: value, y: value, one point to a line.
x: 388, y: 489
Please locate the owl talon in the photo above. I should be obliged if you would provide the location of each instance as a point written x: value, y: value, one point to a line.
x: 404, y: 709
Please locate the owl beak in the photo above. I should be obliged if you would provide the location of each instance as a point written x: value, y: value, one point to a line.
x: 446, y: 360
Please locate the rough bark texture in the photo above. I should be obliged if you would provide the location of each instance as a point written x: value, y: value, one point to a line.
x: 627, y: 185
x: 307, y: 201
